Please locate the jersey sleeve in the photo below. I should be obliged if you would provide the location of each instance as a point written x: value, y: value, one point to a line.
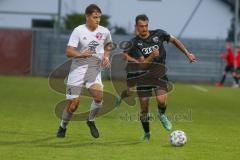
x: 134, y: 51
x: 108, y: 38
x: 166, y: 36
x: 74, y: 38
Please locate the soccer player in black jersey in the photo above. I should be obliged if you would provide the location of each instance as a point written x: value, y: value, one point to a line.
x: 148, y: 46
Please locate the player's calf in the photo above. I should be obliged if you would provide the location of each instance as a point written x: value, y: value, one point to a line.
x: 66, y: 116
x: 95, y: 107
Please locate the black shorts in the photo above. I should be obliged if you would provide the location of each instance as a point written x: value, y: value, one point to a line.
x: 147, y: 90
x: 146, y: 87
x: 131, y: 78
x: 229, y: 69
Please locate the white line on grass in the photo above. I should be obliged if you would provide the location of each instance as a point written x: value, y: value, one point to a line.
x: 199, y: 88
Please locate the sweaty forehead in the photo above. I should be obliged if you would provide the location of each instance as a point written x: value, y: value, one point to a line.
x: 96, y: 14
x: 141, y: 22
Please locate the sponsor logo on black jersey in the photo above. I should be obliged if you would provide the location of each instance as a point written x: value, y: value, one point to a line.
x: 93, y: 45
x: 155, y: 39
x: 149, y: 50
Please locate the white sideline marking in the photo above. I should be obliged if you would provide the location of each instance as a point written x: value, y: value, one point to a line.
x: 199, y: 88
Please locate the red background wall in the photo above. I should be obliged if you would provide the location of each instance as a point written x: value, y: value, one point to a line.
x: 15, y: 51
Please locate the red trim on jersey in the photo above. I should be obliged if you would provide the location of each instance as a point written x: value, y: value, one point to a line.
x: 229, y: 57
x: 238, y: 59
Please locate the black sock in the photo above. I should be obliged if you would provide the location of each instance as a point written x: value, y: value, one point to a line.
x: 161, y: 109
x: 124, y: 94
x: 145, y: 122
x: 223, y: 79
x: 236, y: 80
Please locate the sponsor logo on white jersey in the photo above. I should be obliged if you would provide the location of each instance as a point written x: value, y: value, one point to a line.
x: 93, y: 45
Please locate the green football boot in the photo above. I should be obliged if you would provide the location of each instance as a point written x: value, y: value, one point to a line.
x: 118, y: 101
x: 165, y: 122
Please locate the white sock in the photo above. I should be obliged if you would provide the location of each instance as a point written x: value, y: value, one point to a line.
x: 94, y: 110
x: 66, y: 116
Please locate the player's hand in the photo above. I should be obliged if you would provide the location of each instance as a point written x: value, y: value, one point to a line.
x: 87, y: 53
x: 191, y: 58
x: 124, y: 56
x: 105, y: 62
x: 128, y: 58
x: 155, y: 52
x: 135, y: 61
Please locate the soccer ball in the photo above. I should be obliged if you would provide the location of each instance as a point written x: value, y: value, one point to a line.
x: 178, y: 138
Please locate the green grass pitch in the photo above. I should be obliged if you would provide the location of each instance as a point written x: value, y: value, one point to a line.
x: 210, y: 117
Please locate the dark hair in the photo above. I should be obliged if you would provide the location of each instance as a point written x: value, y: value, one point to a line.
x: 92, y: 8
x: 142, y: 17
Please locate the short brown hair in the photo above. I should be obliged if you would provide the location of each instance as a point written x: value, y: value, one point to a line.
x: 142, y: 17
x: 92, y: 8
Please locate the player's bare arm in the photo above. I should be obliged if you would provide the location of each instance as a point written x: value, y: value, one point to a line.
x: 150, y: 58
x: 146, y: 61
x: 72, y: 52
x: 107, y: 52
x: 126, y: 57
x: 180, y: 46
x: 140, y: 59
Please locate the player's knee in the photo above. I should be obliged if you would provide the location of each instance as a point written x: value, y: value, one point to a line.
x: 98, y: 100
x: 72, y: 108
x: 162, y: 101
x: 97, y: 95
x: 73, y: 105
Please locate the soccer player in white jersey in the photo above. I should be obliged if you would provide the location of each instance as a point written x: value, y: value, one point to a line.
x: 87, y: 47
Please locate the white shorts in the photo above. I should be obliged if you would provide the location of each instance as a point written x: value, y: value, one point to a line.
x: 82, y: 76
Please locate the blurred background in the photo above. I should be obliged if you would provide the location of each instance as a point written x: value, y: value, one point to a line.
x: 34, y: 34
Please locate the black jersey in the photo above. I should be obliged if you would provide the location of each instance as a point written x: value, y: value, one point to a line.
x: 144, y: 47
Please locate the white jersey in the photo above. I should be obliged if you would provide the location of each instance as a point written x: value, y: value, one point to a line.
x: 83, y: 39
x: 86, y: 71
